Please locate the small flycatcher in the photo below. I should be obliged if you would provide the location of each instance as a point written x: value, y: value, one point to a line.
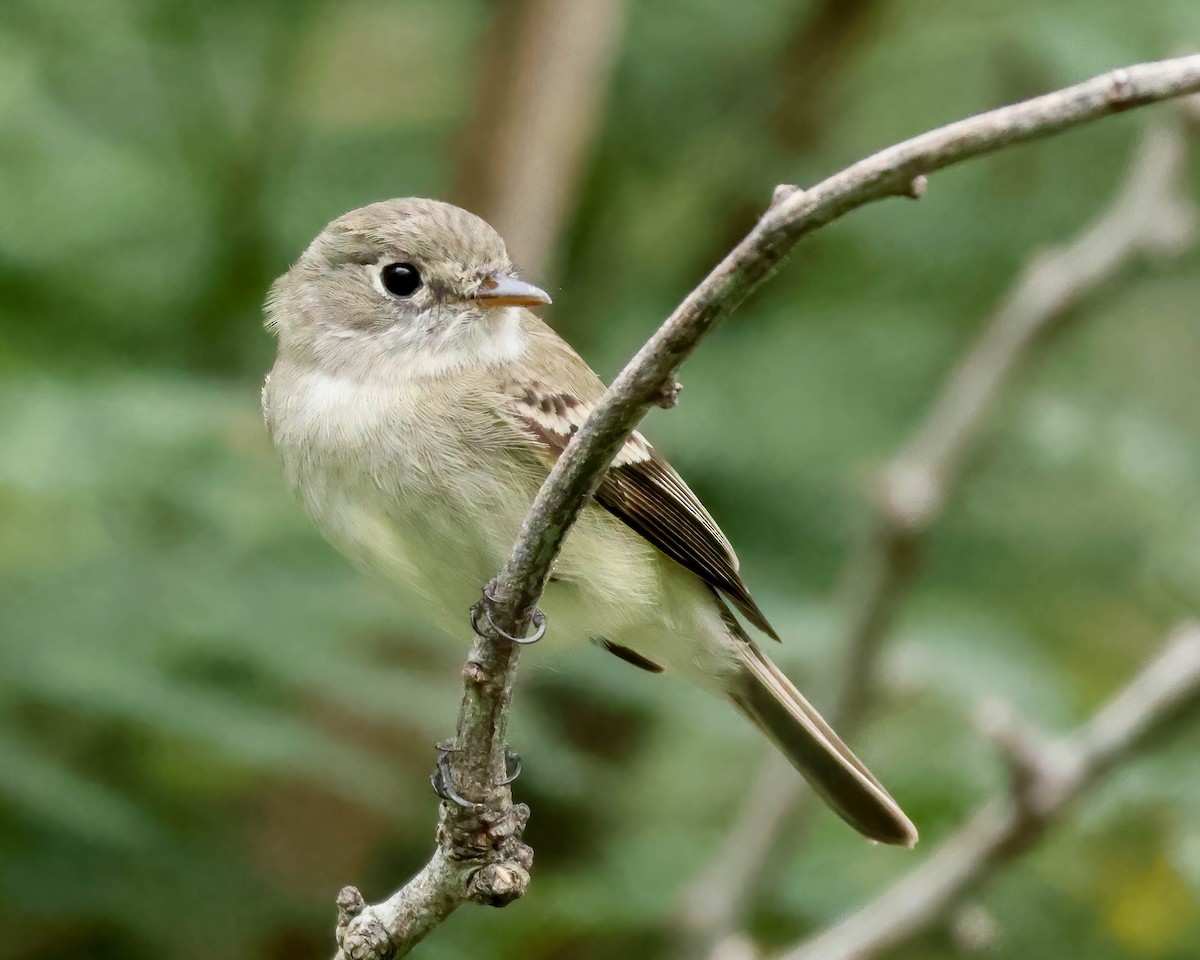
x: 418, y: 405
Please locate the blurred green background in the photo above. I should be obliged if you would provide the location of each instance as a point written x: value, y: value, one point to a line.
x: 210, y: 723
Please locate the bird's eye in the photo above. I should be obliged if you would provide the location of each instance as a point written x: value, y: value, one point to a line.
x: 401, y: 279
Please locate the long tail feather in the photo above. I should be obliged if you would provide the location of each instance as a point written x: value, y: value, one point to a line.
x: 772, y: 703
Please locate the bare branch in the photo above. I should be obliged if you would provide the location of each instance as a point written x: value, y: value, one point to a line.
x: 1003, y: 829
x: 886, y: 173
x: 480, y: 856
x: 1151, y: 215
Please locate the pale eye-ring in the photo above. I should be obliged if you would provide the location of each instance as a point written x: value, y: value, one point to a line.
x: 400, y: 279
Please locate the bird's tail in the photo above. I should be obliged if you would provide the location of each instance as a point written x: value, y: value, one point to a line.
x: 772, y: 703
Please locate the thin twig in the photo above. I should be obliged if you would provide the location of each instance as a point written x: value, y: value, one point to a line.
x: 1050, y: 778
x: 1151, y: 216
x: 492, y: 832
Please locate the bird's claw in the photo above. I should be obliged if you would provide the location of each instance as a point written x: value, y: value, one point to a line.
x: 511, y: 757
x: 484, y: 608
x: 442, y: 778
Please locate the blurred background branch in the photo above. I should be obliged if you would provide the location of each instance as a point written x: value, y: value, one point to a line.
x: 1151, y: 216
x: 542, y: 85
x: 1046, y: 780
x: 802, y: 85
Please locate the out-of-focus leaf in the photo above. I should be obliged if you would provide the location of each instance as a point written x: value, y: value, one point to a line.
x: 43, y: 789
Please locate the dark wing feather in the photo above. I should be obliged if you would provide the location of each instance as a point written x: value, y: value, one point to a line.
x: 644, y: 491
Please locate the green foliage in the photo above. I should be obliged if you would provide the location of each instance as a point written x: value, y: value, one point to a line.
x: 210, y: 723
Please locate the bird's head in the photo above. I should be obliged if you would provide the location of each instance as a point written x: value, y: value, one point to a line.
x: 418, y: 281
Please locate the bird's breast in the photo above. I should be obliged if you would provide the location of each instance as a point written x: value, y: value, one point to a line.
x: 322, y: 423
x: 400, y: 478
x: 421, y: 490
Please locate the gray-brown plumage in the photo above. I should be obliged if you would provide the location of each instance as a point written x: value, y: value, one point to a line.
x: 418, y: 406
x: 641, y: 487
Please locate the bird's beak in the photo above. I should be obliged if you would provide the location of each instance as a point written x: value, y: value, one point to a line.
x: 500, y: 290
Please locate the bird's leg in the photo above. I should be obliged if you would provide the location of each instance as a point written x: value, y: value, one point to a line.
x: 442, y: 779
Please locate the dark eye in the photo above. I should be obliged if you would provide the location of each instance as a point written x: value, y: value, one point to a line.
x: 401, y: 279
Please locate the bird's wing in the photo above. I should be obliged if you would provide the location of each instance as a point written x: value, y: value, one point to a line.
x: 550, y: 401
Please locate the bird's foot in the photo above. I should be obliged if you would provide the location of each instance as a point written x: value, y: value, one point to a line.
x: 442, y: 778
x: 512, y: 761
x: 481, y: 613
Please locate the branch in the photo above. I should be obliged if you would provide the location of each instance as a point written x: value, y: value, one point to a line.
x: 1045, y: 780
x: 1151, y: 216
x: 890, y: 172
x: 479, y: 855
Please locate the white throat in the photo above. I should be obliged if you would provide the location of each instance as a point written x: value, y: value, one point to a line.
x: 470, y: 342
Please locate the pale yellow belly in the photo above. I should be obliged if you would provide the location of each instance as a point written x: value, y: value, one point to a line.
x: 607, y: 582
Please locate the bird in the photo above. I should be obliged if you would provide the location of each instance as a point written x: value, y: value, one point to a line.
x: 417, y: 404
